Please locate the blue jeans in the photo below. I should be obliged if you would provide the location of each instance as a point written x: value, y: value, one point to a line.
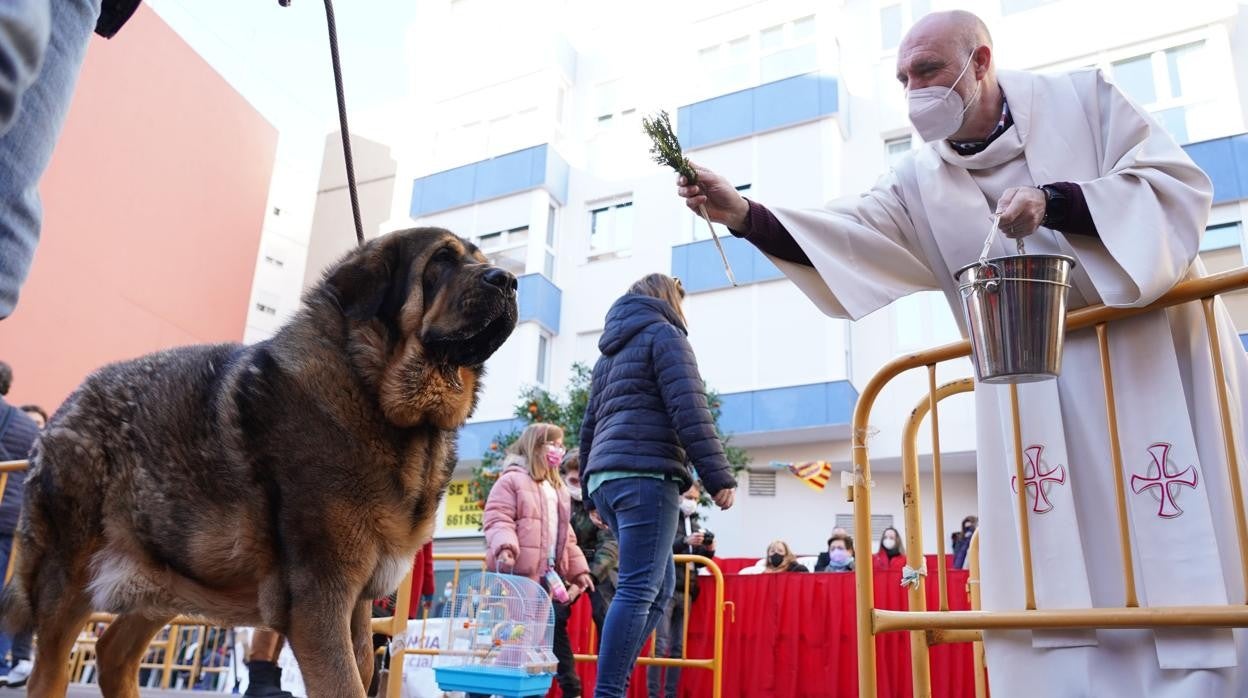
x: 20, y: 644
x: 42, y: 44
x: 642, y: 513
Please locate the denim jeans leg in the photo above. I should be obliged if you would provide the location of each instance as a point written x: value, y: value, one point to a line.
x: 26, y: 147
x: 642, y: 514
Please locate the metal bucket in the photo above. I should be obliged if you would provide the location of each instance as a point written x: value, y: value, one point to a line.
x: 1015, y: 311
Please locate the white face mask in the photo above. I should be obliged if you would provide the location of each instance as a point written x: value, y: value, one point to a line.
x: 688, y: 506
x: 575, y: 493
x: 889, y: 544
x: 937, y: 112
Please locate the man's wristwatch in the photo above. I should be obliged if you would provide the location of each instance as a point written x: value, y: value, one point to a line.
x: 1056, y: 206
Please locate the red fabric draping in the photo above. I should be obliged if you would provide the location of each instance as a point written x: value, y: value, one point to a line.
x: 794, y: 637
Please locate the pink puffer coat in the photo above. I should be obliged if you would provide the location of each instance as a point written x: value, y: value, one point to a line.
x: 515, y: 520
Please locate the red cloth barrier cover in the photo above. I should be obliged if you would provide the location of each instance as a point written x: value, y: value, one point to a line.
x: 794, y: 637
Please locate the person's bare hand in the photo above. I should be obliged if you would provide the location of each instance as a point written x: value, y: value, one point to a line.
x: 593, y: 516
x: 585, y: 581
x: 725, y: 498
x: 695, y: 539
x: 1021, y: 210
x: 724, y: 204
x: 506, y: 557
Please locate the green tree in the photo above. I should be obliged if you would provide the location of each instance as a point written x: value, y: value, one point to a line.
x: 568, y: 411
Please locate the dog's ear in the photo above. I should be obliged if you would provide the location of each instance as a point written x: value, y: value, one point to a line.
x: 362, y: 282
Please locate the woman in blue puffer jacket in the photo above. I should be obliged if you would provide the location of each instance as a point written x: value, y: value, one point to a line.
x: 647, y: 418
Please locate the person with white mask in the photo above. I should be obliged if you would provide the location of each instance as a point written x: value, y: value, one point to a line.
x: 1071, y: 164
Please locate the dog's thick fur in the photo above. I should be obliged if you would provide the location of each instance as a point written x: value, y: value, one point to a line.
x: 283, y: 484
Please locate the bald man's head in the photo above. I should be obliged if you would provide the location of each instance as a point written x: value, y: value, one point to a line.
x: 951, y: 51
x: 959, y: 29
x: 938, y: 43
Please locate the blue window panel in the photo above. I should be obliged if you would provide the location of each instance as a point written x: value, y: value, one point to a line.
x: 1224, y: 160
x: 842, y: 398
x: 736, y: 413
x: 790, y: 407
x: 698, y: 266
x: 680, y: 264
x: 785, y: 102
x: 475, y: 437
x: 443, y: 190
x: 512, y: 173
x: 540, y: 301
x: 769, y: 106
x: 1243, y: 339
x: 506, y: 174
x: 720, y: 119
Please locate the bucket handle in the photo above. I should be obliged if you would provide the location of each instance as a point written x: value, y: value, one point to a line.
x: 992, y: 230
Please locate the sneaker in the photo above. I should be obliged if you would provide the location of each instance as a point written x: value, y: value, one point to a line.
x: 19, y: 674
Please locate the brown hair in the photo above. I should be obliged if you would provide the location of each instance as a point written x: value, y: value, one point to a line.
x: 789, y: 557
x: 531, y: 447
x: 665, y: 288
x: 899, y: 550
x: 845, y: 538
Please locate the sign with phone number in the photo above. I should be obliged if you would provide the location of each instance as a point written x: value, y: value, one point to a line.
x: 461, y: 512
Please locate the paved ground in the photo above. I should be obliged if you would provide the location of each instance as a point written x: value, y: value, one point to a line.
x: 93, y: 691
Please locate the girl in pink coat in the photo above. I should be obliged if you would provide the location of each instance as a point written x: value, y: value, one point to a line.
x: 527, y: 531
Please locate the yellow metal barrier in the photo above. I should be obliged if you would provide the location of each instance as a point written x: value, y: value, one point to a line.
x: 933, y: 627
x: 397, y: 624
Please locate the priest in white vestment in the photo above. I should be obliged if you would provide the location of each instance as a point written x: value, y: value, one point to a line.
x: 1077, y: 169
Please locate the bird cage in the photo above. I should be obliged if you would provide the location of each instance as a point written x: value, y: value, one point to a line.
x: 500, y: 629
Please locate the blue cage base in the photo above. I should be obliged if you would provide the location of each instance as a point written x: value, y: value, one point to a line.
x: 508, y: 683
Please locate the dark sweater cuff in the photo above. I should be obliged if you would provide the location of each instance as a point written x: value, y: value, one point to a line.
x: 1069, y: 213
x: 768, y: 234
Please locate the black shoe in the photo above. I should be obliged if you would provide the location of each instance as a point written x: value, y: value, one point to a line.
x: 264, y: 680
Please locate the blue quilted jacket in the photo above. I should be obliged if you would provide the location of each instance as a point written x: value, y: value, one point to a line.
x: 647, y: 407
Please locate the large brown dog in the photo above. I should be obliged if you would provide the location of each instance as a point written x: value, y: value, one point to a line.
x: 283, y: 484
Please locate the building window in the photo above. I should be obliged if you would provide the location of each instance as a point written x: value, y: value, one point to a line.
x: 700, y: 231
x: 543, y: 359
x: 507, y: 249
x: 787, y: 49
x: 1220, y: 237
x: 548, y: 267
x: 267, y: 303
x: 1175, y: 85
x: 611, y: 229
x: 726, y: 67
x: 897, y: 148
x: 895, y: 20
x: 1009, y: 7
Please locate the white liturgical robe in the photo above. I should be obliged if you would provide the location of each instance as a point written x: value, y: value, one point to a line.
x: 925, y: 220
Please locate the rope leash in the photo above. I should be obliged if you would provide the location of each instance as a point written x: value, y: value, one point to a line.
x: 342, y: 117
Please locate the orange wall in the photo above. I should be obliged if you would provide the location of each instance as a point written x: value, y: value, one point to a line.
x: 153, y: 207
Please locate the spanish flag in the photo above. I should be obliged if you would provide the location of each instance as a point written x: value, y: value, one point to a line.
x: 814, y: 473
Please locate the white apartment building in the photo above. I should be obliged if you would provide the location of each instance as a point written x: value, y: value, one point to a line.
x: 522, y: 132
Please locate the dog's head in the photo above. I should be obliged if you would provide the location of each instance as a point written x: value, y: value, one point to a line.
x: 424, y: 309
